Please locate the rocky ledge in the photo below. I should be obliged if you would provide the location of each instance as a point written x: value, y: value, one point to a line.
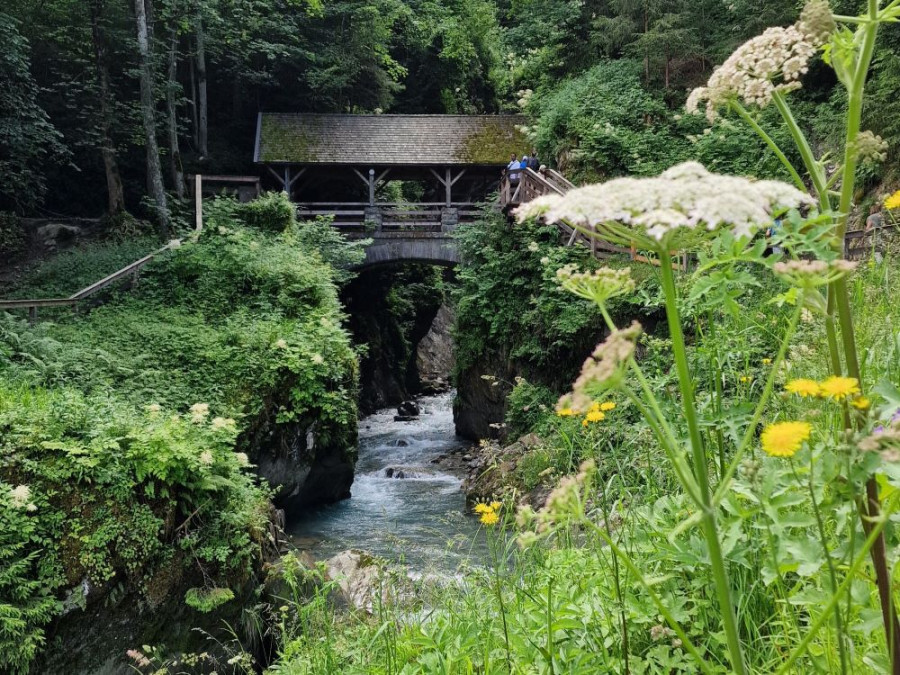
x: 493, y: 473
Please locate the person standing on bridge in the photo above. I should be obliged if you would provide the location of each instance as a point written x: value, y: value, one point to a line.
x: 524, y: 163
x: 534, y: 163
x: 513, y: 170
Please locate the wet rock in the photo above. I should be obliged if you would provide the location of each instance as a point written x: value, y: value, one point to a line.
x: 408, y: 409
x: 400, y: 474
x: 389, y: 472
x: 402, y: 444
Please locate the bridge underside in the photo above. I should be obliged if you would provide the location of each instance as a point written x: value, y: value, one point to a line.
x: 432, y: 248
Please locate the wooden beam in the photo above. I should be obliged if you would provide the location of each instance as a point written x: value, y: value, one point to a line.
x: 287, y: 181
x: 448, y: 185
x: 438, y: 176
x: 299, y: 174
x: 460, y: 175
x: 361, y: 176
x: 274, y: 173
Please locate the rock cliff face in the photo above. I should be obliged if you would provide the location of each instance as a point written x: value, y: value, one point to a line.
x: 434, y: 356
x: 304, y: 463
x: 481, y: 402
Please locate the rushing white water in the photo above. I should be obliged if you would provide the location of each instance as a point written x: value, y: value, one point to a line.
x: 419, y: 519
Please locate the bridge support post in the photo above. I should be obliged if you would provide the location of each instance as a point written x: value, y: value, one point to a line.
x: 374, y: 216
x: 449, y: 218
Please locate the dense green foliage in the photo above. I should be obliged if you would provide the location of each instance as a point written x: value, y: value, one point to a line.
x: 507, y: 301
x: 129, y: 426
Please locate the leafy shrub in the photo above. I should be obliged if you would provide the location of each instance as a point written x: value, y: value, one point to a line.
x: 272, y: 212
x: 127, y: 424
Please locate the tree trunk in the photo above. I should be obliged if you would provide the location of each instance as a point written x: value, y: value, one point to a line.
x: 154, y: 170
x: 203, y: 113
x: 107, y: 149
x: 171, y: 88
x: 195, y: 120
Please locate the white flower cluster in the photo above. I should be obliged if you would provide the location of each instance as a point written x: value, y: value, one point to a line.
x: 20, y: 498
x: 685, y: 196
x: 773, y: 61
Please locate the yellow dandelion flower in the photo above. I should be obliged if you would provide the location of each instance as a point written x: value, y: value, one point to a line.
x: 803, y: 387
x: 482, y: 508
x: 565, y: 412
x: 893, y: 202
x: 784, y: 439
x: 606, y: 407
x: 495, y: 506
x: 594, y: 416
x: 746, y: 378
x: 767, y: 362
x: 595, y: 407
x: 490, y: 518
x: 839, y: 388
x: 861, y: 403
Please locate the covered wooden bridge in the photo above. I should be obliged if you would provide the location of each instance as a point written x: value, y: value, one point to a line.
x: 404, y: 180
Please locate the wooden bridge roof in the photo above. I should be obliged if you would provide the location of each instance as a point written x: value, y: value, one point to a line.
x: 388, y: 140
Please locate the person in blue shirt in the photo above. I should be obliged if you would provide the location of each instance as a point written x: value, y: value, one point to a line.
x: 524, y: 163
x: 513, y: 170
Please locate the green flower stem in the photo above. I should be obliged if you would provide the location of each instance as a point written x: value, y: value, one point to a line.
x: 750, y: 433
x: 699, y: 660
x: 832, y: 573
x: 735, y: 105
x: 854, y: 569
x: 645, y: 386
x: 701, y: 473
x: 872, y: 505
x: 679, y: 464
x: 809, y: 159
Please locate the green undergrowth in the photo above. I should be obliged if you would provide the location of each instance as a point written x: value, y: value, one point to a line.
x: 508, y: 302
x: 562, y: 599
x: 124, y: 430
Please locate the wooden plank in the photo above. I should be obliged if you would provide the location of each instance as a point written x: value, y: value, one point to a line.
x: 45, y: 302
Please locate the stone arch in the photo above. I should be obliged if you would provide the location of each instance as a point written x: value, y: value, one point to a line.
x: 435, y: 251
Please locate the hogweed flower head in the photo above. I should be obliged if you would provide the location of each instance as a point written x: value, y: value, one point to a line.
x: 784, y: 439
x: 603, y: 370
x: 686, y: 197
x: 773, y: 61
x: 816, y: 22
x: 598, y: 286
x: 808, y: 274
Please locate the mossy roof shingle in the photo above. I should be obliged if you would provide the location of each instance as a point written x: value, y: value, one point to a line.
x: 389, y: 140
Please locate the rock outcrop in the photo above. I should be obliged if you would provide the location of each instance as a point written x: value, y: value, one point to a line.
x: 481, y: 393
x: 435, y: 358
x: 305, y: 465
x: 493, y: 473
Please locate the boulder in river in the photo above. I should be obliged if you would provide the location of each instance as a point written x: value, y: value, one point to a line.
x: 409, y: 409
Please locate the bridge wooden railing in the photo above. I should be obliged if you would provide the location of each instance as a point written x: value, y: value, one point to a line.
x: 132, y: 270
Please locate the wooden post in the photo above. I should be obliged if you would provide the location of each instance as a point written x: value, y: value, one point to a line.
x: 32, y: 315
x: 448, y: 187
x: 198, y: 203
x: 371, y: 187
x: 287, y: 181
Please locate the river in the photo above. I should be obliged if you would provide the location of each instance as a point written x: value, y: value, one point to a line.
x: 420, y: 519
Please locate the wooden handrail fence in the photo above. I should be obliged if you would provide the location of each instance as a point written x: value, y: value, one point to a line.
x: 132, y: 270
